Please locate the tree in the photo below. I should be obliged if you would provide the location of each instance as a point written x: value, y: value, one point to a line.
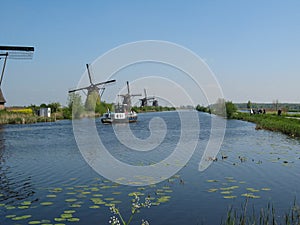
x: 55, y: 106
x: 75, y: 105
x: 230, y: 109
x: 249, y: 105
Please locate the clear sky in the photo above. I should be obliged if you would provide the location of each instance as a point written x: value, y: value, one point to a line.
x: 253, y: 47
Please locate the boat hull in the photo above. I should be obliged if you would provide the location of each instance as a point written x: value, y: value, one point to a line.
x: 127, y: 119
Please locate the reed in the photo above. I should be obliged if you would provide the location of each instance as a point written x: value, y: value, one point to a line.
x: 266, y: 216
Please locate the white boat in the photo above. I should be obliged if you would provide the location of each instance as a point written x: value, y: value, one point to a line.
x: 120, y: 115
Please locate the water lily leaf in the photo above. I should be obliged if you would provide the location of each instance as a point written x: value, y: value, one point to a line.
x: 226, y: 192
x: 9, y: 207
x: 229, y: 196
x: 105, y: 187
x: 73, y: 219
x: 34, y: 222
x: 69, y: 211
x: 23, y: 207
x: 213, y: 190
x: 66, y: 215
x: 94, y: 207
x: 51, y: 196
x: 250, y: 195
x: 10, y: 216
x: 252, y: 190
x: 211, y: 181
x: 46, y: 203
x: 163, y: 199
x: 26, y: 203
x: 75, y: 205
x: 21, y: 217
x: 59, y: 219
x: 71, y: 200
x: 94, y: 189
x: 266, y: 189
x: 56, y: 190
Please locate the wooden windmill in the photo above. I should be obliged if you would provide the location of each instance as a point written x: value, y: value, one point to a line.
x: 127, y: 97
x: 146, y: 100
x: 12, y: 52
x: 94, y: 90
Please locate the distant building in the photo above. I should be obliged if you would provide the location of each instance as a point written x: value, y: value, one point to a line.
x: 2, y: 100
x: 44, y: 112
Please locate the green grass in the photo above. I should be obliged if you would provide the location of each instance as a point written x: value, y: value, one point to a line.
x: 288, y: 126
x: 7, y: 117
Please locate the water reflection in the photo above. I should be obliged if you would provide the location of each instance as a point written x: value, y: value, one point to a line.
x: 13, y: 186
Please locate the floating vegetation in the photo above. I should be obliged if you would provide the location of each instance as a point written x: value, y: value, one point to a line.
x: 266, y: 189
x: 229, y: 196
x: 92, y: 197
x: 250, y: 195
x: 21, y: 217
x: 51, y: 196
x: 213, y: 190
x: 211, y: 181
x: 46, y: 203
x: 252, y: 190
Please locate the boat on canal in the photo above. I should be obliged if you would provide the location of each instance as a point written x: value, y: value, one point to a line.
x: 122, y: 112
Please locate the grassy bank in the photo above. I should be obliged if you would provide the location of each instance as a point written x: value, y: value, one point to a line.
x: 289, y: 126
x: 7, y: 117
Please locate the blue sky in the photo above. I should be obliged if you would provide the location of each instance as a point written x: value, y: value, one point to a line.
x: 251, y: 46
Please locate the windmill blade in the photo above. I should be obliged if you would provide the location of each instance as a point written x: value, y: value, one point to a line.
x: 17, y: 52
x: 135, y: 95
x: 90, y: 78
x: 105, y: 82
x: 128, y: 90
x: 78, y: 89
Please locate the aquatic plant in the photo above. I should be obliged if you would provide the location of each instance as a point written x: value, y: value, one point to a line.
x: 266, y: 216
x: 136, y: 206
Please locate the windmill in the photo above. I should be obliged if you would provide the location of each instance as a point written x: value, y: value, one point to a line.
x: 94, y: 90
x: 146, y: 99
x: 127, y: 97
x: 12, y: 52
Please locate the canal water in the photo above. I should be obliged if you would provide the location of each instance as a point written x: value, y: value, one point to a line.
x: 45, y: 180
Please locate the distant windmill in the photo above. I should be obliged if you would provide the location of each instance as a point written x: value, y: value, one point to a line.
x: 127, y: 97
x: 146, y: 99
x: 12, y: 52
x: 95, y: 90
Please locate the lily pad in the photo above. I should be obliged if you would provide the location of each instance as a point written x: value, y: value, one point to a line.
x: 229, y: 196
x: 73, y: 219
x: 34, y: 222
x: 21, y: 217
x: 46, y: 203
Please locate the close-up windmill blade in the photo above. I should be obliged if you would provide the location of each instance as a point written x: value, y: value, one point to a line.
x: 78, y: 89
x: 105, y: 82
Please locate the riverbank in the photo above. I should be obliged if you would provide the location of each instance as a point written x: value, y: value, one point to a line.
x: 7, y: 117
x: 286, y: 125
